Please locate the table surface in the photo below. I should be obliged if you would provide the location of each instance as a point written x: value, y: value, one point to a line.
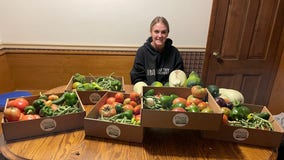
x: 164, y: 144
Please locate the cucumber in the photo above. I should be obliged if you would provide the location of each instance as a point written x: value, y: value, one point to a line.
x: 264, y: 115
x: 60, y: 100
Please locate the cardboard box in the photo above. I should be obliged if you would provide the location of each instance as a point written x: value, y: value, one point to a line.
x: 247, y: 135
x: 90, y: 97
x: 111, y: 130
x: 91, y: 78
x: 18, y: 130
x: 181, y: 120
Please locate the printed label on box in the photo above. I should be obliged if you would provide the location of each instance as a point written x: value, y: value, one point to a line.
x: 94, y: 97
x: 113, y: 131
x: 48, y: 124
x: 180, y: 119
x: 241, y: 134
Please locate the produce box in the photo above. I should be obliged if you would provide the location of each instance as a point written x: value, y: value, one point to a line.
x: 90, y: 79
x: 181, y: 120
x: 250, y: 136
x: 18, y: 130
x: 108, y: 129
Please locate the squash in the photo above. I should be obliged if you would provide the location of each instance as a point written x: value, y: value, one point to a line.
x: 177, y: 78
x: 193, y: 79
x: 232, y: 95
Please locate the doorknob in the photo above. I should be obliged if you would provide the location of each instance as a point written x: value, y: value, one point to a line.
x: 217, y: 55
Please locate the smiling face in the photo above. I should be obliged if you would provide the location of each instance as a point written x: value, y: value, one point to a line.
x: 159, y: 33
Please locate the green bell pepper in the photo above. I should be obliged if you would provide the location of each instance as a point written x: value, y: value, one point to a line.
x: 30, y: 110
x: 46, y: 111
x: 38, y: 104
x: 70, y: 98
x: 128, y: 114
x: 115, y: 85
x: 150, y: 92
x: 239, y: 112
x: 166, y: 101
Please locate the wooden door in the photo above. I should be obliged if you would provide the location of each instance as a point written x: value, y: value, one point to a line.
x: 244, y: 46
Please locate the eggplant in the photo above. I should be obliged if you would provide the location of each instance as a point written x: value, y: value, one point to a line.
x: 230, y: 105
x: 221, y: 102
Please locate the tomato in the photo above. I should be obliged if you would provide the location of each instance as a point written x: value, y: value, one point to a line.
x: 119, y: 97
x: 225, y: 119
x: 138, y: 117
x: 110, y: 100
x: 107, y: 110
x: 126, y: 101
x: 115, y: 103
x: 127, y: 107
x: 134, y: 96
x: 179, y: 100
x: 178, y: 105
x: 137, y: 109
x: 12, y: 114
x: 188, y: 103
x: 198, y: 91
x: 192, y: 108
x: 202, y: 105
x: 192, y: 99
x: 11, y: 103
x: 21, y: 103
x: 179, y: 109
x: 27, y: 117
x: 133, y: 103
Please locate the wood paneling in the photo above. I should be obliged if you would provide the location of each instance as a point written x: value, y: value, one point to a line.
x: 6, y: 81
x: 37, y: 69
x: 41, y: 71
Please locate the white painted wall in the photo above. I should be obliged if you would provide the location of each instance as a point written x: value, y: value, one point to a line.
x: 101, y: 22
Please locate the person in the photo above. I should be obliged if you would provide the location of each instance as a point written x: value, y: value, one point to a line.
x: 157, y: 58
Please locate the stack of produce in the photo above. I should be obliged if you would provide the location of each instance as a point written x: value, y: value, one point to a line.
x: 97, y: 83
x: 236, y: 112
x: 194, y: 102
x: 122, y: 108
x: 20, y: 109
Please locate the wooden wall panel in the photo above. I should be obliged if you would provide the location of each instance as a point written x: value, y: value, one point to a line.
x: 45, y: 71
x: 6, y: 81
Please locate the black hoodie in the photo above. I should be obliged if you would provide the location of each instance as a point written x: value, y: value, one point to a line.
x: 151, y: 65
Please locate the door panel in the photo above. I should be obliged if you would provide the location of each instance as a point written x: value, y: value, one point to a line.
x: 242, y: 47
